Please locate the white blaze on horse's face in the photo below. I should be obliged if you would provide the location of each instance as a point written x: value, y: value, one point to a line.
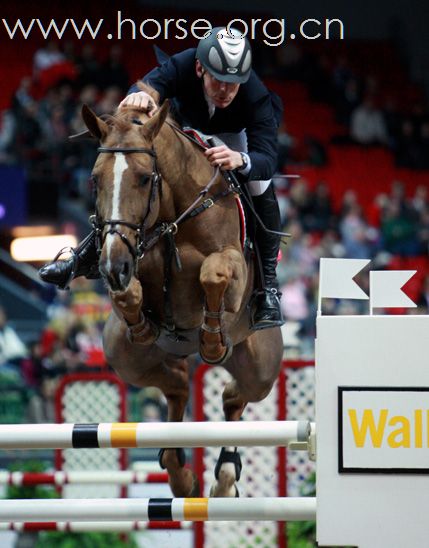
x: 119, y: 167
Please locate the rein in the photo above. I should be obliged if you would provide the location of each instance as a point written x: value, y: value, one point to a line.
x: 143, y: 243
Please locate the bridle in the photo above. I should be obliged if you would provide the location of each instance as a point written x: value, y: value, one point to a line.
x: 137, y: 250
x: 163, y: 229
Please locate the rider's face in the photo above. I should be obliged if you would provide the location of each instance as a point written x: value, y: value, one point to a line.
x: 220, y: 93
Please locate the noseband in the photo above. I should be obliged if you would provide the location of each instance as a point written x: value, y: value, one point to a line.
x: 137, y: 251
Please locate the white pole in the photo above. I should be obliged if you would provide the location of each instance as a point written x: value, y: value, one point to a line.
x: 154, y: 435
x: 263, y: 509
x: 214, y: 509
x: 110, y: 477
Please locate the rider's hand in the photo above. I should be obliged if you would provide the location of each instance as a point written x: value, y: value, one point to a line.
x: 224, y: 157
x: 141, y: 100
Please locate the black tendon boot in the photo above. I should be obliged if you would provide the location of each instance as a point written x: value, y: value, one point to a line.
x: 267, y: 311
x: 83, y: 262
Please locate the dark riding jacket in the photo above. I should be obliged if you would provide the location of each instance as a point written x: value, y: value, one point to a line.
x: 254, y: 109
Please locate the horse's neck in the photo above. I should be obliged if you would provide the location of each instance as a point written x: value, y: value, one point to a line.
x: 184, y: 169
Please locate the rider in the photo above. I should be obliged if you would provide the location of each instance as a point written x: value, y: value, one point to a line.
x: 214, y: 89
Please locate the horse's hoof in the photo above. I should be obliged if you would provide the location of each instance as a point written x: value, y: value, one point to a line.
x: 231, y: 492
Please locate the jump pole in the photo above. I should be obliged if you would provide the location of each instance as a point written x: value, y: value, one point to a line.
x: 154, y: 509
x: 154, y: 435
x: 93, y: 526
x: 82, y: 477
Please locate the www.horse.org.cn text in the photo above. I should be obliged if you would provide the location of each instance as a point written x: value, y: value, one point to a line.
x: 272, y: 32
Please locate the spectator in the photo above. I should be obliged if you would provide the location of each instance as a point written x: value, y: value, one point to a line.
x: 47, y: 57
x: 354, y: 233
x: 367, y: 125
x: 399, y: 232
x: 348, y: 100
x: 320, y: 215
x: 109, y: 101
x: 294, y: 298
x: 23, y: 95
x: 301, y: 202
x: 12, y: 349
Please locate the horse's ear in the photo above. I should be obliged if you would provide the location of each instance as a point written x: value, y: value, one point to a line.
x: 154, y: 124
x: 97, y: 127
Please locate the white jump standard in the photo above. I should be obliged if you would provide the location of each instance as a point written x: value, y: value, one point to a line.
x: 154, y: 435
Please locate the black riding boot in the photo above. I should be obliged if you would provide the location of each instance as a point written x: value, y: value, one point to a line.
x: 267, y: 312
x: 83, y: 262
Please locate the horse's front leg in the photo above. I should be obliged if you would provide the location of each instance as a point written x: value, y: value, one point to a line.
x: 128, y: 305
x: 223, y: 277
x: 173, y: 380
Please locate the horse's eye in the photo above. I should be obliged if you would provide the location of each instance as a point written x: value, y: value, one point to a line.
x: 144, y: 179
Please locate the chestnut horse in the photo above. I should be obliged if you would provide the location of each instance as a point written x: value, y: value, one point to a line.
x: 173, y: 262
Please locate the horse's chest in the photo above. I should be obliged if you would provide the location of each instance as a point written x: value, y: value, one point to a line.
x: 183, y: 264
x: 175, y: 280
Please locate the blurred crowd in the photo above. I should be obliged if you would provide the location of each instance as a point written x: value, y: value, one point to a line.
x: 370, y: 112
x: 45, y: 110
x: 394, y: 226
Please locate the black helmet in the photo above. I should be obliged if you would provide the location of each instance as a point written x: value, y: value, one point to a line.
x: 226, y: 54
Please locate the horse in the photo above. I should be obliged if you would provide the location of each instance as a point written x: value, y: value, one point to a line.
x: 168, y: 236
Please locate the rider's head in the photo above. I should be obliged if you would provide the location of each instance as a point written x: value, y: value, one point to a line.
x: 224, y: 61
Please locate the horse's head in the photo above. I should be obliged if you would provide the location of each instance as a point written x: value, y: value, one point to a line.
x: 127, y: 184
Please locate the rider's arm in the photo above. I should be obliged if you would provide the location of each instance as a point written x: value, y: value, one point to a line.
x: 261, y: 134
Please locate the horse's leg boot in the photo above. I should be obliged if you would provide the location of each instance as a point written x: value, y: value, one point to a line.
x: 83, y: 262
x: 267, y: 311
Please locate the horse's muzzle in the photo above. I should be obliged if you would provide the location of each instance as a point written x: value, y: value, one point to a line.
x: 118, y: 274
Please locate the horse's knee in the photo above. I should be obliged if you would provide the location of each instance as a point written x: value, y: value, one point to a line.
x: 214, y: 273
x: 223, y: 276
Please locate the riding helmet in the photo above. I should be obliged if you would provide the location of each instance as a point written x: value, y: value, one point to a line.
x: 226, y: 55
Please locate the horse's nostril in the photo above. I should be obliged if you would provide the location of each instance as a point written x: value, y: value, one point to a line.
x: 125, y: 274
